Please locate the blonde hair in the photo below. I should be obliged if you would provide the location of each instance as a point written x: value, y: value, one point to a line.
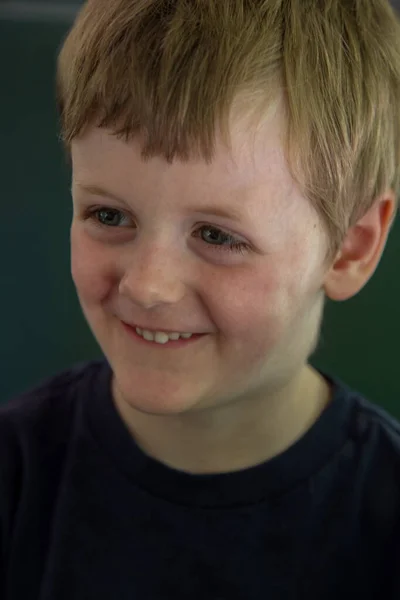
x: 171, y: 70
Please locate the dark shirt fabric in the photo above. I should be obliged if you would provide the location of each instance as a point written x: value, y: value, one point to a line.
x: 86, y: 515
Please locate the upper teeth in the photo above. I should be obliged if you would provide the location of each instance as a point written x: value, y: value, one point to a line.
x: 160, y: 337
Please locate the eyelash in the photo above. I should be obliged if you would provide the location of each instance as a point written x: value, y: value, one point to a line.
x: 232, y: 246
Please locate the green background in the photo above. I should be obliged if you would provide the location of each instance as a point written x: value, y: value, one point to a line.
x: 43, y: 329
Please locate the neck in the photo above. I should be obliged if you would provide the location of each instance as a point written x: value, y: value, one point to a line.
x: 231, y: 437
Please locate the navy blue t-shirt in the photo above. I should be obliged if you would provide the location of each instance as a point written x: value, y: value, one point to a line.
x: 85, y: 514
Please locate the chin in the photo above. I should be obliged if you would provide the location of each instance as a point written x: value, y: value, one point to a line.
x: 161, y: 397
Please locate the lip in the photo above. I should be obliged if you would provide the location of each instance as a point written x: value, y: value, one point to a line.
x: 170, y: 344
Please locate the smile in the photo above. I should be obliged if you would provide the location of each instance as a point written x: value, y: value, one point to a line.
x: 162, y: 340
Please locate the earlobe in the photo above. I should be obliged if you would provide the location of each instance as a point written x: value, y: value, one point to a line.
x: 361, y: 251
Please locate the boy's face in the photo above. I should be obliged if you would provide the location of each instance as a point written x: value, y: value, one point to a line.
x: 157, y: 263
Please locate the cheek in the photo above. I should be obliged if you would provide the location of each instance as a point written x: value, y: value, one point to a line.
x: 259, y: 308
x: 90, y: 268
x: 251, y: 306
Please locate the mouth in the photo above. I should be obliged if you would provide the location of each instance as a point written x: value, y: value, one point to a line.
x: 171, y: 344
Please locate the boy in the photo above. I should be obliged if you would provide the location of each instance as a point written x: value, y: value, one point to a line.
x: 234, y: 164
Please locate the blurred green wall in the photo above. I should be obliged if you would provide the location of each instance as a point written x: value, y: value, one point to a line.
x: 43, y: 328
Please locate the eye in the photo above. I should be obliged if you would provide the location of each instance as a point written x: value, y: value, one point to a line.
x: 97, y: 215
x: 214, y: 237
x: 228, y: 242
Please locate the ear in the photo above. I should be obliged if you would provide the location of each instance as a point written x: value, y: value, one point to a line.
x: 361, y: 251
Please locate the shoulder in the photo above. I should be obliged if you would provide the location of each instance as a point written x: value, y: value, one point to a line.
x: 373, y: 426
x: 378, y: 470
x: 378, y: 434
x: 53, y: 394
x: 368, y: 425
x: 37, y: 428
x: 372, y: 452
x: 367, y: 450
x: 375, y: 436
x: 40, y: 421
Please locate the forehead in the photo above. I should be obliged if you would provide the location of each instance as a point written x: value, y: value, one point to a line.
x: 255, y: 159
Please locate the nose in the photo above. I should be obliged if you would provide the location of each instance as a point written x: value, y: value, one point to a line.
x: 154, y: 276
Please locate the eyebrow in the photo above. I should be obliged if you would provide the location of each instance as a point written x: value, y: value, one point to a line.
x: 211, y: 209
